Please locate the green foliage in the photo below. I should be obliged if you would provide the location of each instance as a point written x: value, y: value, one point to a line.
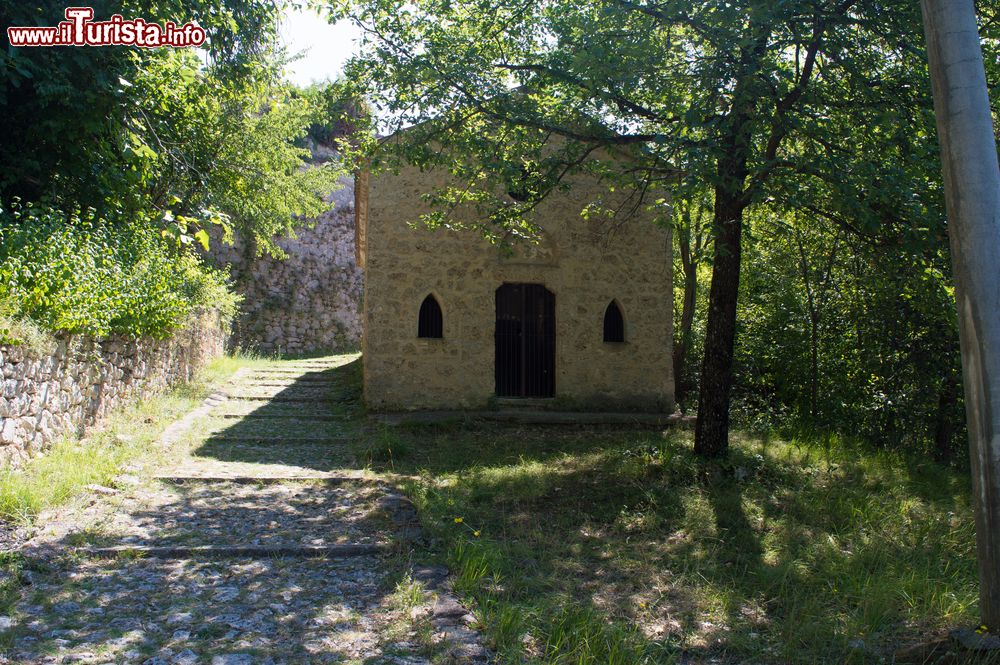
x: 385, y: 449
x: 842, y: 336
x: 130, y: 132
x: 21, y: 331
x: 337, y: 116
x: 64, y: 109
x: 78, y: 273
x: 160, y: 148
x: 989, y: 16
x: 887, y: 366
x: 523, y: 92
x: 208, y: 150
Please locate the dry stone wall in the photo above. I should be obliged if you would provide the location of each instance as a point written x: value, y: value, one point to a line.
x: 65, y: 392
x: 308, y: 302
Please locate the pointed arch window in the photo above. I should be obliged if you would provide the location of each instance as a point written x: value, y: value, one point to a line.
x: 614, y: 323
x: 430, y: 324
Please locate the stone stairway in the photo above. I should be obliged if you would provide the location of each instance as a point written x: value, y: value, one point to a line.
x: 261, y: 543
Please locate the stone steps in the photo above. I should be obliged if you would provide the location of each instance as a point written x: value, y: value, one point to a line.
x: 253, y: 535
x: 267, y: 391
x: 286, y: 396
x: 291, y: 368
x: 289, y: 379
x: 234, y: 516
x: 325, y: 478
x: 282, y: 416
x: 291, y: 371
x: 278, y: 398
x: 312, y: 384
x: 277, y: 440
x: 283, y: 374
x: 315, y: 369
x: 235, y: 551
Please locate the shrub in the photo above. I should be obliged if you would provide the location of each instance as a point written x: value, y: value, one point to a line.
x: 80, y: 274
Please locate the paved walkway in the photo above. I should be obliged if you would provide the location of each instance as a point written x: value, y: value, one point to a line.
x: 251, y: 543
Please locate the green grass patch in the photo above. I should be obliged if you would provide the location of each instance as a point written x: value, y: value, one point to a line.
x: 12, y: 566
x: 622, y: 547
x: 385, y: 448
x: 20, y: 331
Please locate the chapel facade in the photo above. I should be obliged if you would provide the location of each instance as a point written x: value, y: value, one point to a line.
x: 580, y: 319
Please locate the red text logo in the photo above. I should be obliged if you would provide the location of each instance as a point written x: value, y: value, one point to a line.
x: 80, y: 30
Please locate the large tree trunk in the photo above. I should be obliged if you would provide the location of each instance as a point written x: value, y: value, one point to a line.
x: 712, y: 428
x: 972, y: 195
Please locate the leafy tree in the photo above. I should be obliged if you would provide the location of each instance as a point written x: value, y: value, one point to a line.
x: 63, y: 107
x: 198, y: 145
x: 72, y: 272
x: 127, y: 131
x: 814, y: 353
x: 691, y: 229
x: 989, y: 33
x: 120, y: 151
x: 816, y: 106
x: 337, y: 116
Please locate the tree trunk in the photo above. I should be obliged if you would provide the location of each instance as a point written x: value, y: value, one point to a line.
x: 972, y: 195
x: 943, y: 429
x: 813, y: 367
x: 711, y: 434
x: 712, y: 428
x: 687, y: 320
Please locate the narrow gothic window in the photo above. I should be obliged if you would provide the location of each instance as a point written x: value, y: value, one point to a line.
x: 614, y: 323
x: 431, y: 323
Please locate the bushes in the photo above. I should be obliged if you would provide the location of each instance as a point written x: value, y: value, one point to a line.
x: 76, y: 273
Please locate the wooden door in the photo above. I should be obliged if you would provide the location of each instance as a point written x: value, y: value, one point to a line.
x: 525, y: 341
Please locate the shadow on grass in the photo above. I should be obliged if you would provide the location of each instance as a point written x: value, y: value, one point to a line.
x: 777, y: 555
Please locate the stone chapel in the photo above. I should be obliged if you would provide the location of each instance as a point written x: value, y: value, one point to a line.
x: 579, y: 320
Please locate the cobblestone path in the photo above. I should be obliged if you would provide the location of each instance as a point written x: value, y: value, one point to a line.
x: 252, y: 542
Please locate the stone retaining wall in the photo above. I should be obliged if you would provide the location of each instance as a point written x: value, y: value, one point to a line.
x: 71, y: 389
x: 308, y: 302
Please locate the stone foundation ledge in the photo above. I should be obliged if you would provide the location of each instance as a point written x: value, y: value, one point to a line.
x: 536, y: 417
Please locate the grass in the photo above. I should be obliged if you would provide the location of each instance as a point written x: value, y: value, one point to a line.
x: 384, y: 448
x: 23, y: 332
x: 620, y: 547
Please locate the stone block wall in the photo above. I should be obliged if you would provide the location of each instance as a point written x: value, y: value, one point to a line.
x: 308, y: 302
x: 65, y: 392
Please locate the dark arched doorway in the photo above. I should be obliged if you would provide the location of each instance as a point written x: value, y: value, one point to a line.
x: 525, y: 341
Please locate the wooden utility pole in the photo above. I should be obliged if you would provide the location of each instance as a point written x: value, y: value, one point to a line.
x: 972, y: 196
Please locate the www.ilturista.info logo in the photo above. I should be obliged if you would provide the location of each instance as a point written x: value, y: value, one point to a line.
x: 79, y: 30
